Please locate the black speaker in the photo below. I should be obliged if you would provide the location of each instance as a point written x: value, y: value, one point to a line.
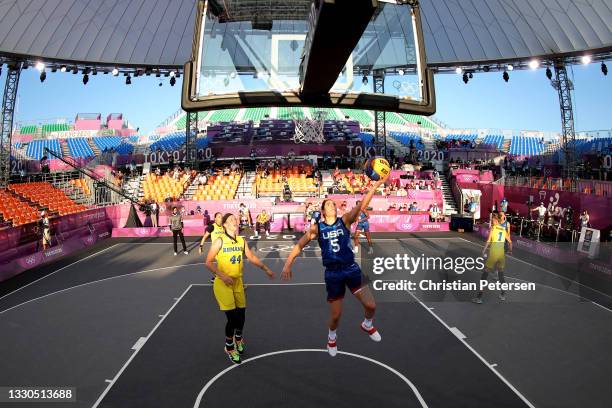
x: 458, y: 222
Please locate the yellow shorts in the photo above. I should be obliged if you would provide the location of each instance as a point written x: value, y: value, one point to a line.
x: 229, y: 297
x: 496, y: 260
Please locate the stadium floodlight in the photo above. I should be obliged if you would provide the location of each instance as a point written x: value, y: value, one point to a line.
x: 172, y: 80
x: 40, y: 66
x: 43, y: 76
x: 458, y: 70
x: 85, y: 79
x: 172, y: 74
x: 548, y: 73
x: 604, y: 69
x: 128, y: 80
x: 63, y: 68
x: 465, y: 79
x: 115, y: 72
x: 506, y: 76
x: 586, y: 59
x: 401, y: 72
x: 534, y: 64
x: 510, y: 67
x: 232, y: 75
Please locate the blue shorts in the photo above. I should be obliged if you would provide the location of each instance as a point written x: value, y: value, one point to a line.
x: 363, y: 226
x: 336, y: 280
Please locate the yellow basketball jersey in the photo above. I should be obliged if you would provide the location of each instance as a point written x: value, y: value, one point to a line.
x: 498, y: 234
x: 217, y: 232
x: 230, y: 258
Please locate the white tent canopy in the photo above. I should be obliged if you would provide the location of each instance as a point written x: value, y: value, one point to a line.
x: 159, y: 33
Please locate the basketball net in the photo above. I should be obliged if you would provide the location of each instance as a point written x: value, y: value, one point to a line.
x: 309, y: 130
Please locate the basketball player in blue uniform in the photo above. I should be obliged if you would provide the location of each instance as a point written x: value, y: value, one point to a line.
x: 341, y: 271
x: 363, y: 227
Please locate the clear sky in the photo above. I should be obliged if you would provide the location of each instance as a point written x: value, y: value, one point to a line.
x: 526, y: 102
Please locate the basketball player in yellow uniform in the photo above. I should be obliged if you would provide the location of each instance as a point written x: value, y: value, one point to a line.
x: 496, y: 256
x: 229, y: 250
x: 213, y: 230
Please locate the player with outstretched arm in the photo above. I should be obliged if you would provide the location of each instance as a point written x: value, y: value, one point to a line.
x: 341, y: 271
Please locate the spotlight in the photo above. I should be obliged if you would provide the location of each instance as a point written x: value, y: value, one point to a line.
x: 115, y: 72
x: 486, y: 68
x: 458, y: 71
x: 364, y: 80
x: 604, y: 69
x: 40, y: 66
x: 95, y: 71
x: 173, y: 81
x: 63, y: 68
x: 172, y: 74
x: 401, y: 72
x: 232, y: 75
x: 510, y: 67
x: 506, y: 76
x: 75, y: 70
x: 54, y: 69
x: 534, y: 64
x: 157, y: 74
x: 86, y: 70
x: 43, y: 76
x: 471, y: 75
x: 148, y: 71
x: 128, y: 80
x: 586, y: 59
x: 465, y: 78
x: 548, y: 73
x: 85, y: 79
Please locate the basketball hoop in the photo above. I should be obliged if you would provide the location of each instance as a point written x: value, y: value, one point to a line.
x: 309, y: 130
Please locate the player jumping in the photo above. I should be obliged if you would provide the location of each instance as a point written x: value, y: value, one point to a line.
x: 363, y: 227
x: 341, y: 271
x: 229, y: 251
x: 496, y: 259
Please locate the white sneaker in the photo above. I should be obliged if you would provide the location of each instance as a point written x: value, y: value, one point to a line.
x: 175, y: 254
x: 332, y: 348
x: 186, y: 253
x: 372, y: 332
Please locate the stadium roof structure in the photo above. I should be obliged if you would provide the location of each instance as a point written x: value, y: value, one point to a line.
x: 158, y: 34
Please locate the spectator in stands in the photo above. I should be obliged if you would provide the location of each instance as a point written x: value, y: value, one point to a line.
x: 176, y: 225
x: 401, y: 192
x: 336, y: 173
x: 584, y: 219
x: 154, y: 213
x: 404, y: 207
x: 45, y: 226
x: 132, y: 167
x: 392, y: 207
x: 44, y: 165
x: 504, y: 205
x: 202, y: 179
x: 473, y: 206
x: 262, y: 220
x: 541, y: 209
x: 310, y: 209
x: 413, y: 207
x: 434, y: 213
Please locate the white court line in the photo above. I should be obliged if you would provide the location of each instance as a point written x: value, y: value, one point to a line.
x: 61, y: 269
x: 457, y: 332
x: 96, y: 281
x: 481, y: 358
x: 371, y: 360
x: 122, y: 369
x: 549, y: 272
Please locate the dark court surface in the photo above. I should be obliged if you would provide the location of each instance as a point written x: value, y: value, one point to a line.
x: 186, y: 352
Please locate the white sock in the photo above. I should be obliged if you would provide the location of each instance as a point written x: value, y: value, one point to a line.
x: 367, y: 323
x: 332, y: 334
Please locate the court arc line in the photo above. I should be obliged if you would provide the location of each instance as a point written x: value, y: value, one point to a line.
x: 60, y: 269
x: 371, y: 360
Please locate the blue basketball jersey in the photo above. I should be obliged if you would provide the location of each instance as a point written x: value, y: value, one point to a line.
x: 362, y: 216
x: 335, y: 243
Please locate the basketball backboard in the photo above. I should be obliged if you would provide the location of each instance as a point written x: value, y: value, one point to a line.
x: 250, y: 53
